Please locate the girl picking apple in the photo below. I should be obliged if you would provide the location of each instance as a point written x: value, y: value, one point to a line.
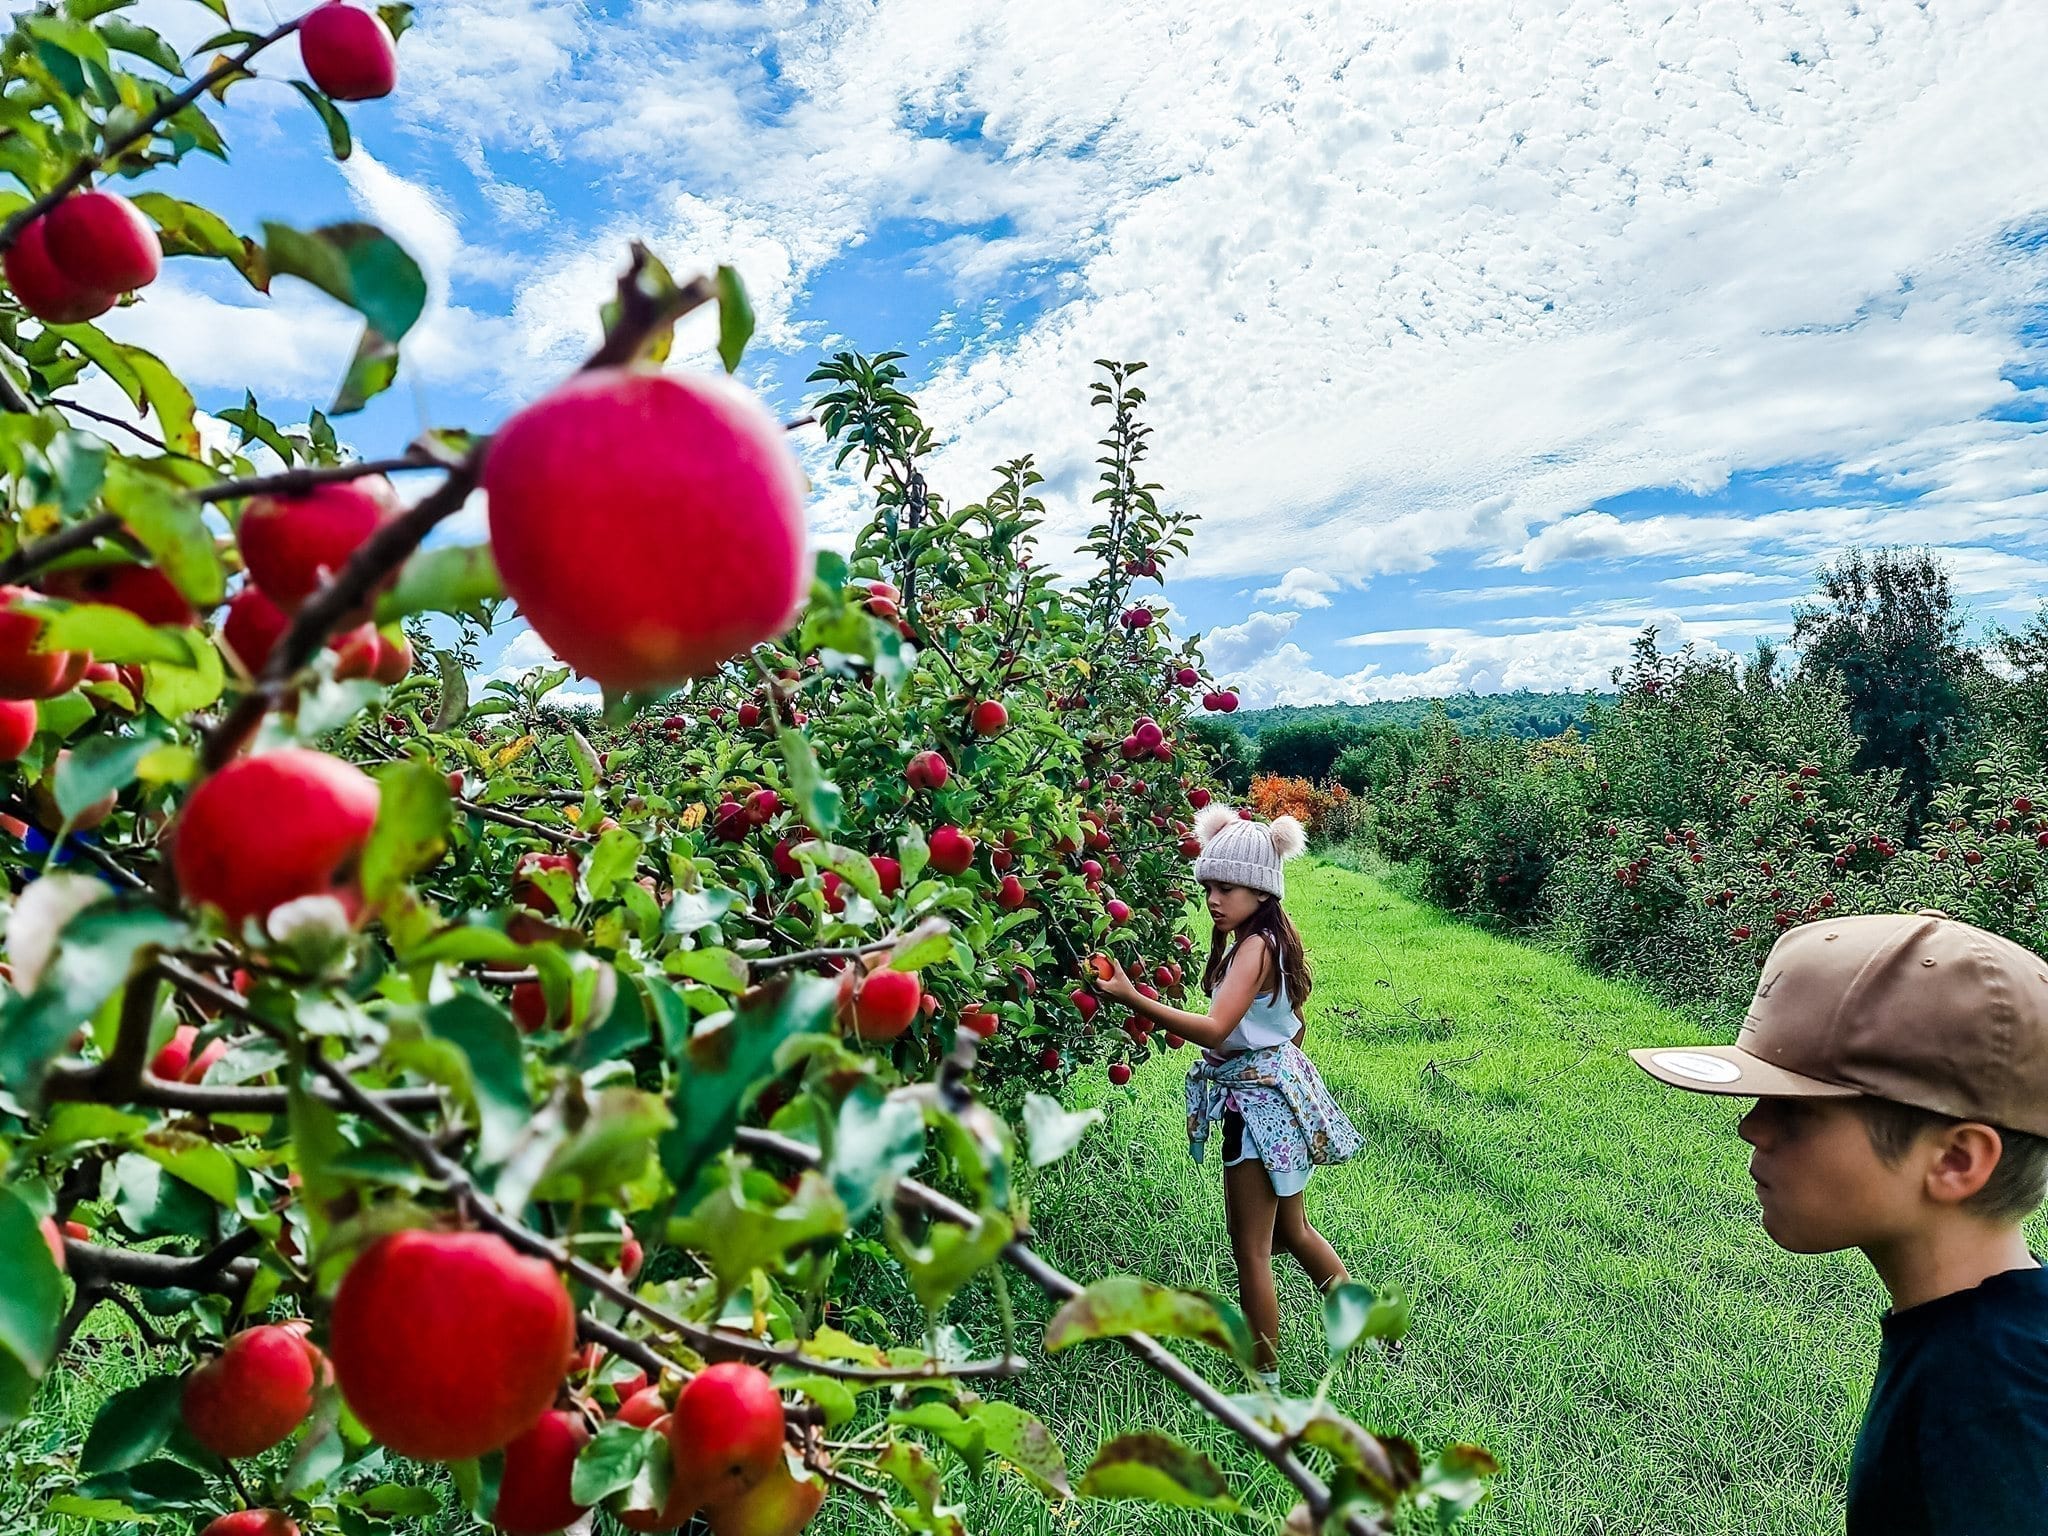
x: 1279, y: 1120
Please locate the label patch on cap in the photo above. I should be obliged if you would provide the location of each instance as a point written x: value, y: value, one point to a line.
x: 1701, y: 1069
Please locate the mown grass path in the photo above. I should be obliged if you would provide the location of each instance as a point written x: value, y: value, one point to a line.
x: 1594, y: 1296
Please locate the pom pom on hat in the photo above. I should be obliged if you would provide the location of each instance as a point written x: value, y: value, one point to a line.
x: 1288, y: 835
x: 1211, y: 819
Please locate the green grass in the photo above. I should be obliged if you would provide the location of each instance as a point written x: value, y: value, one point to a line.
x: 1595, y: 1299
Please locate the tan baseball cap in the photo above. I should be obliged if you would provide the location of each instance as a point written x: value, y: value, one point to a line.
x: 1920, y: 1009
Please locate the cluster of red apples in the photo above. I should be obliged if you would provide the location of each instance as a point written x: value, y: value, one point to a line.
x: 449, y: 1346
x: 74, y: 262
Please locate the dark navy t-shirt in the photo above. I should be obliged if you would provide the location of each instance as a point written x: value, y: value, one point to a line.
x: 1955, y: 1440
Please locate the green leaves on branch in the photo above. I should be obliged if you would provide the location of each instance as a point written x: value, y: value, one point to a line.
x: 1157, y: 1469
x: 726, y: 1060
x: 1123, y: 1305
x: 457, y: 579
x: 1352, y: 1312
x: 31, y: 1305
x: 370, y: 272
x: 1052, y: 1131
x: 735, y: 319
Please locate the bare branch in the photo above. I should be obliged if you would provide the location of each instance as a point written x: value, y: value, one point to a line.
x: 296, y: 482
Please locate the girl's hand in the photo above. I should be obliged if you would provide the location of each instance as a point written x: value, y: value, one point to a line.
x: 1115, y: 986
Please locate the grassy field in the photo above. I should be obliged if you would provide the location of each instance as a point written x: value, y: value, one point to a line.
x: 1594, y: 1297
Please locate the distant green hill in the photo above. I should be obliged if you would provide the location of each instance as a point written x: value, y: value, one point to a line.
x: 1505, y: 714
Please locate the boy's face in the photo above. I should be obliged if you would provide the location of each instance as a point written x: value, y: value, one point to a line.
x: 1820, y: 1182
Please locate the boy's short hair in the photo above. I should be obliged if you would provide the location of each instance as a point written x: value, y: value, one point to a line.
x: 2017, y: 1186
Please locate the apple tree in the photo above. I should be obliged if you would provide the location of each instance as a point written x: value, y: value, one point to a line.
x: 458, y: 1077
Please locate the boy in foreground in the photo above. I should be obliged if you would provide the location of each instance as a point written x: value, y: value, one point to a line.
x: 1900, y: 1069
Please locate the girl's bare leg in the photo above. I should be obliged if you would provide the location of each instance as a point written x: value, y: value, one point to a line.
x: 1249, y: 1206
x: 1292, y: 1231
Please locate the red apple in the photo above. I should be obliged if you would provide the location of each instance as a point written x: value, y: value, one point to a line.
x: 268, y: 829
x: 348, y: 52
x: 449, y: 1344
x: 1010, y: 894
x: 725, y: 1433
x: 142, y: 590
x: 527, y: 893
x: 748, y: 715
x: 1187, y: 677
x: 254, y: 1393
x: 101, y: 240
x: 631, y: 1256
x: 1086, y: 1001
x: 881, y: 1004
x: 17, y: 728
x: 691, y: 481
x: 27, y: 673
x: 252, y: 628
x: 1119, y: 1074
x: 642, y: 1409
x: 952, y: 850
x: 44, y: 288
x: 989, y: 718
x: 888, y: 871
x: 533, y: 1494
x: 1119, y: 912
x: 252, y: 1522
x: 979, y: 1021
x: 292, y: 545
x: 928, y: 770
x: 1049, y: 1058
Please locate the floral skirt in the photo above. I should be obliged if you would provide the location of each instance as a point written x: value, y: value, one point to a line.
x: 1274, y: 1107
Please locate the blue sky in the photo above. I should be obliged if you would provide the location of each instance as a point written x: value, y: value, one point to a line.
x: 1481, y: 335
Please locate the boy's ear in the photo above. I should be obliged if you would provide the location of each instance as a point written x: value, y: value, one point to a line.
x: 1967, y: 1156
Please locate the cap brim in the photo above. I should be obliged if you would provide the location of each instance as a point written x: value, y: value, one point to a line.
x: 1732, y: 1070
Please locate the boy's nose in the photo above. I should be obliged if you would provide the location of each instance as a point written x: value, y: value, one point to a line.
x: 1753, y: 1127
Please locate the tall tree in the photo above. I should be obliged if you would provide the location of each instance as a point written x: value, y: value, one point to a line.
x: 1885, y: 629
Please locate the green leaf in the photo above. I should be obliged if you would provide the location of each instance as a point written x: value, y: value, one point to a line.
x: 738, y: 1236
x: 735, y: 319
x: 176, y: 692
x: 850, y: 864
x: 1385, y: 1476
x: 371, y: 371
x: 1455, y: 1480
x: 31, y: 1304
x: 489, y: 1042
x: 358, y: 264
x: 1052, y: 1131
x: 186, y: 229
x: 151, y: 1203
x: 453, y: 704
x: 204, y: 1166
x: 97, y: 767
x: 879, y: 1139
x: 411, y: 832
x: 951, y: 1255
x: 1121, y: 1305
x: 132, y: 1426
x: 927, y: 944
x: 398, y: 21
x: 609, y: 1150
x: 967, y: 1439
x: 1019, y: 1437
x: 832, y: 1395
x: 612, y: 1459
x: 817, y: 798
x: 614, y: 859
x: 1353, y: 1311
x: 168, y: 400
x: 1157, y: 1469
x: 719, y: 968
x: 112, y: 634
x: 728, y: 1056
x: 582, y: 757
x: 171, y: 526
x: 132, y: 37
x: 458, y: 579
x: 160, y: 1485
x: 338, y: 137
x: 93, y: 960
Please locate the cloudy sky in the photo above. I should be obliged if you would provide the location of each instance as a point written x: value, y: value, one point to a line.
x: 1481, y: 332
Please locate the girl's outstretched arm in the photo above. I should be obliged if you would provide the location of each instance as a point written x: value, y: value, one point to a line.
x: 1226, y: 1009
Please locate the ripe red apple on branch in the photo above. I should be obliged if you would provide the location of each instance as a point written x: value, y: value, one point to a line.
x: 348, y: 52
x: 269, y: 829
x: 690, y: 474
x: 254, y: 1393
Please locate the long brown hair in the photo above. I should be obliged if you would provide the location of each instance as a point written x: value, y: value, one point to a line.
x: 1271, y: 923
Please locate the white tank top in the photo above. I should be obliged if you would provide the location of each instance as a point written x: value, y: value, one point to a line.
x: 1269, y: 1021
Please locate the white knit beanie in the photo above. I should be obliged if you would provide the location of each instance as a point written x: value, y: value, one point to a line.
x: 1247, y: 853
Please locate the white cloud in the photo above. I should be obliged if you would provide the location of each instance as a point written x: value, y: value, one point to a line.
x: 1301, y: 588
x: 1233, y: 647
